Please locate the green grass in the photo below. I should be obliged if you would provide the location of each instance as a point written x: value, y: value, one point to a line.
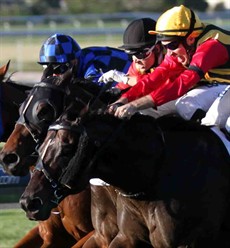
x: 13, y: 225
x: 13, y: 222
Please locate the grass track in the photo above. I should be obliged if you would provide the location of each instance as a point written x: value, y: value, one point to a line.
x: 13, y: 226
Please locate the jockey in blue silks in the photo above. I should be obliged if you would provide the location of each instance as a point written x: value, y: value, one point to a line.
x: 60, y: 50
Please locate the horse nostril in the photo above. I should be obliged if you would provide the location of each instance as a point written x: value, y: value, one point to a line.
x: 32, y: 206
x: 11, y: 158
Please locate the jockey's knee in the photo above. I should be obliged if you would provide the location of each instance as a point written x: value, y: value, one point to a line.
x: 189, y: 110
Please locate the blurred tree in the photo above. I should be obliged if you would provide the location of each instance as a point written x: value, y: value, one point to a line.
x: 38, y: 7
x: 200, y: 5
x: 107, y: 6
x: 196, y: 4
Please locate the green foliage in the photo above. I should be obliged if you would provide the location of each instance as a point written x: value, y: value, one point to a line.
x: 37, y: 7
x: 13, y: 225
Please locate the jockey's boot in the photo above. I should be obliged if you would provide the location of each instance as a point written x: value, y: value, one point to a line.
x: 198, y: 115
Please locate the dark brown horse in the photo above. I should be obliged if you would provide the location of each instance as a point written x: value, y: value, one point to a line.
x: 103, y: 199
x: 175, y: 173
x: 37, y: 112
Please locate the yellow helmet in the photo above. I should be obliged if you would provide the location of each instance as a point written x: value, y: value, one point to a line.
x: 178, y: 21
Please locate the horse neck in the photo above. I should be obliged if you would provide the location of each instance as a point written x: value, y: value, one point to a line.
x: 13, y: 93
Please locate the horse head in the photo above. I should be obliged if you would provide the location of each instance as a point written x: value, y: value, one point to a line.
x: 43, y: 191
x: 42, y: 106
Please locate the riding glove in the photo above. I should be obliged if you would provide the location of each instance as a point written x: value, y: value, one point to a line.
x: 114, y: 75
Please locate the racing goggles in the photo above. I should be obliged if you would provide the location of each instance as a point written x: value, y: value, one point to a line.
x: 173, y: 45
x: 142, y: 54
x: 59, y: 68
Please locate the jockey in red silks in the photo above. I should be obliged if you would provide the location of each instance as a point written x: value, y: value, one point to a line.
x: 146, y: 54
x: 196, y: 68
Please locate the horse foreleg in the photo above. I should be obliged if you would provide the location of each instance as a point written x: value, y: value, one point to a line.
x: 82, y: 241
x: 31, y: 239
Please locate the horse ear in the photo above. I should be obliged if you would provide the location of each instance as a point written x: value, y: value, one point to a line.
x: 68, y: 75
x: 47, y: 72
x: 74, y: 67
x: 3, y: 70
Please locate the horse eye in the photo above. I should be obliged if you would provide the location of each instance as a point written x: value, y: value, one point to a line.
x: 45, y: 112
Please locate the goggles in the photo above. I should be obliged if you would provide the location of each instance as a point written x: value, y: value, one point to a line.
x: 142, y: 54
x: 173, y: 45
x: 59, y: 68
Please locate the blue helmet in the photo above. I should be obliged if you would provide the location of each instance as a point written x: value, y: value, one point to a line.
x: 58, y: 49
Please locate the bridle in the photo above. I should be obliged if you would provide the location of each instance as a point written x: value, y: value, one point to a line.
x: 59, y: 190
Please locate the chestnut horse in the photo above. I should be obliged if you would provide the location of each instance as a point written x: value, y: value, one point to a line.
x: 174, y: 173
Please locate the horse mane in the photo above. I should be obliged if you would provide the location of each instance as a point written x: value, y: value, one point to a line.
x: 136, y: 148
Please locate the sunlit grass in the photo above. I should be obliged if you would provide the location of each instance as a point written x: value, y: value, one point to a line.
x: 13, y: 225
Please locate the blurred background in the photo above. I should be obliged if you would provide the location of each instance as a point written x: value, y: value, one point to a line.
x: 26, y: 24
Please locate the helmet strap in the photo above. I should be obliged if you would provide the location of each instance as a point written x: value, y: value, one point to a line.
x: 189, y: 48
x: 192, y: 23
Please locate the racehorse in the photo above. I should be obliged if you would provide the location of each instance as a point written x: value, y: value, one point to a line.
x: 105, y: 229
x: 174, y: 172
x: 69, y: 226
x: 12, y: 94
x: 43, y: 105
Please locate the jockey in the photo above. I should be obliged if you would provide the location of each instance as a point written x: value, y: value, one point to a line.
x: 146, y: 55
x: 197, y: 64
x: 61, y: 50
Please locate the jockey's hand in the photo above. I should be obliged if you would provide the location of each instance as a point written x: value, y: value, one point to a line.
x: 125, y: 111
x: 113, y: 75
x: 113, y: 107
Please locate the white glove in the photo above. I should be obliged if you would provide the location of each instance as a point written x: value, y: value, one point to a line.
x: 113, y: 75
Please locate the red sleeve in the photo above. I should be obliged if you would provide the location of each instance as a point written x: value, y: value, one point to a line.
x: 148, y: 83
x: 208, y: 55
